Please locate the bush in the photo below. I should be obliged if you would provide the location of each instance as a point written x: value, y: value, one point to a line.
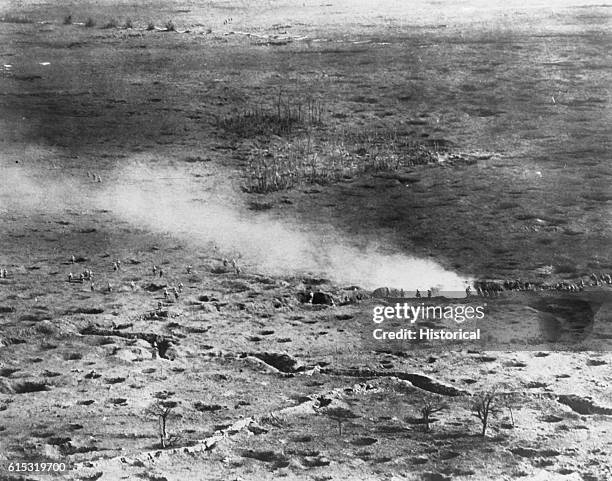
x: 90, y: 22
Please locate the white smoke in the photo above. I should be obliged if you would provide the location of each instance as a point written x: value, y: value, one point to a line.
x: 168, y: 200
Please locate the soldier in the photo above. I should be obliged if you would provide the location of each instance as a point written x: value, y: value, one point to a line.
x: 132, y: 285
x: 176, y: 294
x: 115, y: 266
x: 73, y: 259
x: 81, y: 277
x: 161, y: 272
x: 428, y: 293
x: 70, y: 277
x: 118, y: 262
x: 418, y: 294
x: 166, y: 294
x: 109, y: 287
x: 154, y: 270
x: 91, y: 286
x: 468, y: 291
x: 180, y: 287
x: 189, y: 267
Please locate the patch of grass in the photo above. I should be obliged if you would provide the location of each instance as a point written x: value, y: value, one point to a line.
x: 284, y: 117
x: 305, y: 160
x: 90, y: 22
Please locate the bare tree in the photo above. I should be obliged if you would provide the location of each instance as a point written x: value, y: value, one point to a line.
x: 484, y: 407
x: 162, y: 410
x: 340, y: 415
x: 431, y: 406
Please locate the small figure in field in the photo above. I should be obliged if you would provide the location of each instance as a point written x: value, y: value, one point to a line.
x: 402, y: 293
x: 81, y: 277
x: 118, y: 262
x: 180, y: 287
x: 73, y: 259
x: 1, y: 273
x: 99, y: 178
x: 91, y: 276
x: 235, y: 266
x: 4, y: 273
x: 468, y: 291
x: 88, y: 174
x: 70, y: 277
x: 428, y: 293
x: 161, y: 272
x: 159, y: 306
x: 92, y: 287
x: 418, y: 294
x: 132, y: 285
x: 115, y: 267
x: 166, y: 294
x: 189, y: 267
x: 175, y: 292
x: 154, y: 270
x: 109, y: 288
x: 225, y: 262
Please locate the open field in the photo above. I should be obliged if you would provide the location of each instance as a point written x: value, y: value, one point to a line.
x: 321, y: 146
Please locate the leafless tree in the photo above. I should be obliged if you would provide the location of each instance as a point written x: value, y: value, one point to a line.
x: 162, y: 410
x: 429, y: 407
x: 484, y: 407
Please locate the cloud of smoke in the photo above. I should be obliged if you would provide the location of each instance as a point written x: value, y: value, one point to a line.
x: 269, y: 244
x: 169, y: 201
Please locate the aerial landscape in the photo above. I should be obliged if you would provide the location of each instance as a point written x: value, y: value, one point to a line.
x: 217, y: 216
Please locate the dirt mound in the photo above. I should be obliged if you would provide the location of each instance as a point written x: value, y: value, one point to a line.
x: 283, y: 362
x: 582, y: 405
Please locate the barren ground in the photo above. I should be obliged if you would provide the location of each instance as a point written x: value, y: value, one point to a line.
x: 520, y: 95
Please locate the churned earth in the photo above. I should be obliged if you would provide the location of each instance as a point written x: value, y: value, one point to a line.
x: 116, y: 146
